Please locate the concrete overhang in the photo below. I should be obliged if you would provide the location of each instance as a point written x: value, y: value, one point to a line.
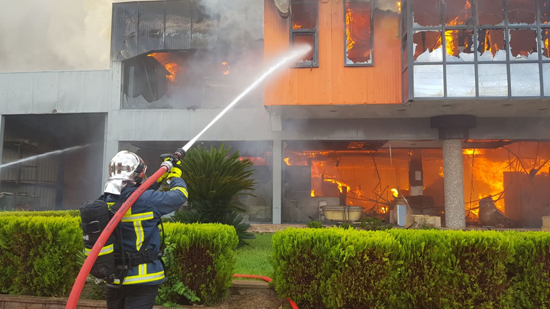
x: 418, y: 109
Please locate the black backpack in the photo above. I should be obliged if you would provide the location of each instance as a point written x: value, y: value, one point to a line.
x: 113, y: 262
x: 95, y: 215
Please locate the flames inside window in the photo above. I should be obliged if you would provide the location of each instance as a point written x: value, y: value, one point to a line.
x: 358, y: 32
x: 491, y: 44
x: 425, y: 43
x: 458, y: 12
x: 546, y: 43
x: 304, y: 14
x: 459, y: 44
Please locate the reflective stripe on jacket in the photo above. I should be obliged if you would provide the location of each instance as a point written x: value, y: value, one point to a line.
x: 141, y: 221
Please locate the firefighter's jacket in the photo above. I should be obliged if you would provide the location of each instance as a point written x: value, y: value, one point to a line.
x: 141, y: 221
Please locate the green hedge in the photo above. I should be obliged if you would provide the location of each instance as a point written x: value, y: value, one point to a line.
x: 46, y: 213
x: 204, y: 261
x: 336, y: 268
x: 38, y: 254
x: 39, y: 257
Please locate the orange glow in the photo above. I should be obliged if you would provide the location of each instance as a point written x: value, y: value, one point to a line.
x: 225, y: 68
x: 173, y: 68
x: 471, y: 151
x: 339, y: 183
x: 349, y: 39
x: 399, y: 6
x: 449, y: 37
x: 441, y: 173
x: 287, y: 161
x: 312, y: 193
x: 255, y: 160
x: 296, y: 26
x: 394, y: 192
x: 467, y: 5
x: 547, y: 47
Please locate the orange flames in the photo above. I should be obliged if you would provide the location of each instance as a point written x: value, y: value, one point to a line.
x: 225, y: 68
x: 173, y: 68
x: 349, y: 20
x: 547, y: 47
x: 399, y: 7
x: 340, y: 184
x: 296, y: 26
x: 452, y: 48
x: 312, y: 193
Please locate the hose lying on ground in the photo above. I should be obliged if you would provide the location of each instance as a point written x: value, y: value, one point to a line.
x: 266, y: 279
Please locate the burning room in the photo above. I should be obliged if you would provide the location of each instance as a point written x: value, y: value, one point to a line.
x: 506, y: 183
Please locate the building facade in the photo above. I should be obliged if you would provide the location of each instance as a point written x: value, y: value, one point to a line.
x: 445, y: 101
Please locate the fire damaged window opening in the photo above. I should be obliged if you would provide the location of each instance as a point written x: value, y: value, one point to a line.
x: 505, y: 33
x: 304, y: 30
x: 358, y: 45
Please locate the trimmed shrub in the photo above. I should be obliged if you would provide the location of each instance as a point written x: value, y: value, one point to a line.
x: 336, y: 268
x: 530, y: 271
x: 46, y: 213
x: 38, y: 254
x: 323, y: 268
x: 202, y: 260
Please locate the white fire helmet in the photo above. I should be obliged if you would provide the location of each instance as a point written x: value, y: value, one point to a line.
x: 125, y: 168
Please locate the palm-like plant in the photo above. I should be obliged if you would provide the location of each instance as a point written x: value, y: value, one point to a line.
x: 215, y: 179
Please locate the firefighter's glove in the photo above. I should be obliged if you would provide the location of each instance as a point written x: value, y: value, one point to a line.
x: 175, y: 171
x: 165, y: 175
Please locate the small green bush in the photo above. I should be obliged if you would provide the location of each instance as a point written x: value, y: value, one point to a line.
x: 315, y: 224
x: 204, y: 262
x: 346, y: 226
x: 374, y: 224
x: 38, y: 254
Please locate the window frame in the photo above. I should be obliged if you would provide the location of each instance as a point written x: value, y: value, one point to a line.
x: 411, y: 28
x: 345, y: 44
x: 314, y: 32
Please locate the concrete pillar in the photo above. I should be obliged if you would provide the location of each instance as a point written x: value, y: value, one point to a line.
x: 2, y: 125
x: 454, y: 184
x: 277, y: 177
x: 452, y: 130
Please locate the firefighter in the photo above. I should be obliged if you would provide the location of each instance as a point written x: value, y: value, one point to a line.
x: 142, y: 267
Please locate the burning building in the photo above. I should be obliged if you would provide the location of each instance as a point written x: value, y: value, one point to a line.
x: 444, y: 104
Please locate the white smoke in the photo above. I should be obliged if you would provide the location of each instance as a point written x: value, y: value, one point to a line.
x: 37, y: 35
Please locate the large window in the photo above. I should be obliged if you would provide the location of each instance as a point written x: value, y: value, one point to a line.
x: 478, y: 48
x: 358, y: 32
x: 303, y: 30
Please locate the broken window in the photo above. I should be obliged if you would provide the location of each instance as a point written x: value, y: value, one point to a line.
x: 427, y: 13
x: 545, y: 43
x: 358, y: 32
x: 303, y: 24
x: 458, y: 12
x: 490, y: 12
x: 427, y: 46
x: 544, y: 7
x: 521, y: 12
x: 459, y: 45
x: 491, y: 45
x: 523, y: 44
x: 305, y: 39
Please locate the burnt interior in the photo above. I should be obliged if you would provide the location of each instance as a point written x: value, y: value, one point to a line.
x: 358, y: 31
x: 59, y: 181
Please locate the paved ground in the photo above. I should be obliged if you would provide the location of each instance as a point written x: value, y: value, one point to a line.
x: 272, y: 228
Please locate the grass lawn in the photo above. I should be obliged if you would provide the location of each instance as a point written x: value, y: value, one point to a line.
x: 254, y: 258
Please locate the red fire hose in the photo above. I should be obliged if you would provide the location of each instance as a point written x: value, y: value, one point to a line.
x: 90, y: 260
x: 266, y: 279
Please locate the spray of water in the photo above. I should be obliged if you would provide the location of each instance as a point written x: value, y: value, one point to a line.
x: 298, y: 51
x: 47, y: 154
